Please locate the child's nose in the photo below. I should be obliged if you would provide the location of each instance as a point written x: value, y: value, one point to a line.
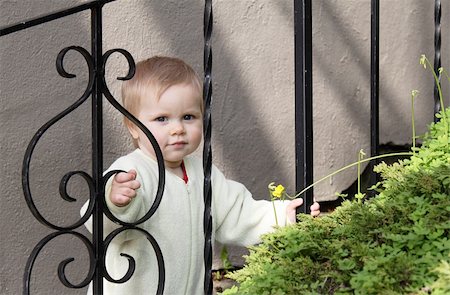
x: 177, y: 128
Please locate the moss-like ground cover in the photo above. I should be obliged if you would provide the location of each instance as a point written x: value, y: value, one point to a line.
x: 397, y: 242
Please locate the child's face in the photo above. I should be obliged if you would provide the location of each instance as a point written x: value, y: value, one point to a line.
x: 175, y: 120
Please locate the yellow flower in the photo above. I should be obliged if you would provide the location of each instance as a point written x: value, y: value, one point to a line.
x: 278, y: 191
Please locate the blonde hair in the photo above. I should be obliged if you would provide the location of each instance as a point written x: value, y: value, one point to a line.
x: 158, y: 73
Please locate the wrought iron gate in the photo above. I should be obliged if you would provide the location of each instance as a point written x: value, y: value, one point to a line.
x: 96, y: 89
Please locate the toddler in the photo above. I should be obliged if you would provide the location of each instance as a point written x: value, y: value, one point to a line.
x: 166, y: 96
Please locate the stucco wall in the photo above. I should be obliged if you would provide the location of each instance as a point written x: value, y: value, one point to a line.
x: 253, y: 111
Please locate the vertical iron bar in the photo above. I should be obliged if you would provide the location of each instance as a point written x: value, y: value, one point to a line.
x: 97, y: 147
x: 207, y: 151
x: 303, y: 100
x: 374, y: 87
x: 437, y: 54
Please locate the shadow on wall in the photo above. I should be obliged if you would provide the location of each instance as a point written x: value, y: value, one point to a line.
x: 240, y: 142
x: 244, y: 149
x: 350, y: 37
x: 32, y: 93
x: 341, y: 37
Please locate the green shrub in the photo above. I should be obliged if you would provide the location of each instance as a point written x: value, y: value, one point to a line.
x: 398, y: 242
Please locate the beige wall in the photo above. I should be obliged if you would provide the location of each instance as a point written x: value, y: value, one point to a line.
x: 253, y: 111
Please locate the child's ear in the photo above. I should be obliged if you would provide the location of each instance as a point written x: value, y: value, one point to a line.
x: 133, y: 129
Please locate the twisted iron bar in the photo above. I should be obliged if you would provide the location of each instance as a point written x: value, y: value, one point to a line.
x: 437, y: 54
x: 207, y: 152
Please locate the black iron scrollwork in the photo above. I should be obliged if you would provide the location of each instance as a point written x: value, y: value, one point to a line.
x: 158, y: 153
x: 131, y: 261
x: 43, y: 129
x: 63, y: 264
x: 61, y: 230
x: 159, y: 192
x: 68, y: 230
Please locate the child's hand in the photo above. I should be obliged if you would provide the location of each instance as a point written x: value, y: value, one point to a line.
x: 291, y: 213
x: 123, y: 188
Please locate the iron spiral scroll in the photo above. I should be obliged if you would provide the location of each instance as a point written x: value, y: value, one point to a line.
x: 97, y: 204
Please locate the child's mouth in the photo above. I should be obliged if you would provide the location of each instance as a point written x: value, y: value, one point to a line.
x: 179, y: 144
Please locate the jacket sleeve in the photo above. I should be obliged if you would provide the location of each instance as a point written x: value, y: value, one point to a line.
x: 238, y: 218
x: 136, y: 209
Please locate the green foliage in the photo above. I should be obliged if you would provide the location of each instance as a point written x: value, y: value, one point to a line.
x: 226, y: 263
x: 442, y: 286
x: 395, y: 243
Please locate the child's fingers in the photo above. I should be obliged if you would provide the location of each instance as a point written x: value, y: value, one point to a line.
x: 133, y: 184
x: 125, y: 176
x: 124, y: 188
x: 122, y: 196
x: 290, y: 209
x: 315, y: 213
x: 127, y: 192
x: 315, y: 209
x: 133, y: 173
x: 295, y: 203
x: 120, y: 200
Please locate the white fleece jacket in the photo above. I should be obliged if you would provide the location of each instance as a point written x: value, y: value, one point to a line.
x: 177, y: 225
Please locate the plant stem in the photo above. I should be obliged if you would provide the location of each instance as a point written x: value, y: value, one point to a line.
x: 441, y: 99
x: 446, y: 74
x: 275, y: 213
x: 413, y: 95
x: 351, y: 165
x: 360, y: 156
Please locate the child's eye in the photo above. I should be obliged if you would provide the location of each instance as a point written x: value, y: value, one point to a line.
x: 188, y: 117
x: 161, y: 119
